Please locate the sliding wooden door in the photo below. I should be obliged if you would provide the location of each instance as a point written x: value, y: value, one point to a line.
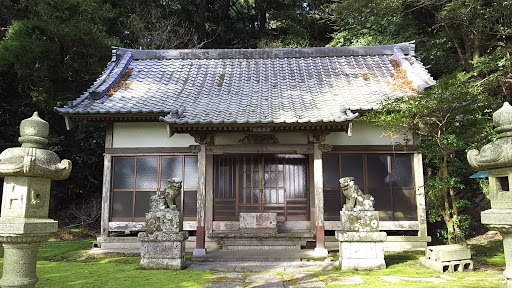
x: 261, y: 183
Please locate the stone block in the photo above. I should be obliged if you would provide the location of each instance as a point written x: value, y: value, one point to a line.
x: 444, y: 253
x: 359, y: 221
x: 462, y: 266
x: 27, y: 197
x: 28, y: 226
x: 162, y: 250
x: 361, y: 236
x: 258, y: 221
x: 361, y: 250
x: 167, y: 220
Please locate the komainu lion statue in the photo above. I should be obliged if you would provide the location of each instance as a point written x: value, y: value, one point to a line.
x: 355, y: 199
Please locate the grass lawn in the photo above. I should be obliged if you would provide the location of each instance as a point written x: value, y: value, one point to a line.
x: 67, y: 264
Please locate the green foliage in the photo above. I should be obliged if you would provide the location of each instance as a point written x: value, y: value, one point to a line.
x: 445, y: 120
x: 48, y: 57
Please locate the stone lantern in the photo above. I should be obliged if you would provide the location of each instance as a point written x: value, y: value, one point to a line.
x: 28, y: 171
x: 496, y: 157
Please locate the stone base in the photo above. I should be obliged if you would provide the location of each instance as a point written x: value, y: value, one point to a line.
x: 162, y: 250
x: 162, y: 264
x: 321, y: 252
x: 449, y: 266
x: 199, y: 252
x: 361, y: 250
x: 362, y: 264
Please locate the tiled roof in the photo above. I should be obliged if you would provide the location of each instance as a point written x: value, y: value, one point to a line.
x: 308, y: 85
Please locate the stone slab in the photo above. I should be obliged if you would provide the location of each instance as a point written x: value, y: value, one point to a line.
x: 345, y: 280
x: 299, y: 276
x: 266, y: 285
x: 395, y: 279
x: 222, y: 275
x: 224, y: 284
x: 263, y: 277
x: 496, y: 217
x: 307, y: 284
x: 359, y: 221
x: 445, y: 253
x: 360, y: 236
x: 286, y: 267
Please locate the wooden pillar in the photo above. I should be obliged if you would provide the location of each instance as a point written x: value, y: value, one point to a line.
x: 420, y: 195
x: 202, y: 139
x: 105, y: 199
x: 318, y: 183
x: 209, y: 194
x: 320, y: 250
x: 107, y: 178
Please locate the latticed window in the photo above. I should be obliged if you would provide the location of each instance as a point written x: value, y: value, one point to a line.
x: 261, y: 183
x: 136, y: 178
x: 387, y: 177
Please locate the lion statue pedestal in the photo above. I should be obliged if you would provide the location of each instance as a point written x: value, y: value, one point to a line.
x: 163, y: 243
x: 360, y: 241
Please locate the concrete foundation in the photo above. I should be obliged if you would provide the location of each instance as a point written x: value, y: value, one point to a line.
x: 450, y: 266
x: 447, y: 258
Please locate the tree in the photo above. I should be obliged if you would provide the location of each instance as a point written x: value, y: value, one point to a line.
x: 446, y: 120
x: 50, y: 56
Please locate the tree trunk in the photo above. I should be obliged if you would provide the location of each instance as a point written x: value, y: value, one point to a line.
x: 261, y: 9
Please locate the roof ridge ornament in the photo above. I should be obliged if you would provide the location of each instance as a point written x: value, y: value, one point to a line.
x: 112, y: 77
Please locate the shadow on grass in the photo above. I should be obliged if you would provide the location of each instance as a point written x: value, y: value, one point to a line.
x: 488, y: 252
x: 394, y: 258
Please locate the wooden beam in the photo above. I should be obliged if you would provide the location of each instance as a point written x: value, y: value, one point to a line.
x: 149, y: 150
x: 373, y: 148
x: 258, y: 148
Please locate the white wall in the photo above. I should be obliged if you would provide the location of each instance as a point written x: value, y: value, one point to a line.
x: 363, y: 134
x: 283, y: 138
x: 147, y: 134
